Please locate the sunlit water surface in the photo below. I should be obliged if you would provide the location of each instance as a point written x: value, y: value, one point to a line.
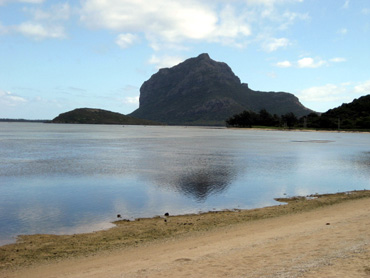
x: 65, y: 179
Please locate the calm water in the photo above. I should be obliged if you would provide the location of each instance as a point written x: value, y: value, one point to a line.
x: 77, y: 178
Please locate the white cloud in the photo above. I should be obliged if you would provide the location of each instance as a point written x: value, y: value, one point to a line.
x: 32, y: 1
x: 326, y: 93
x: 346, y: 4
x: 346, y: 84
x: 3, y: 29
x: 342, y: 31
x: 2, y: 2
x: 290, y: 17
x: 363, y: 88
x: 126, y: 40
x: 365, y: 11
x: 273, y: 44
x: 271, y: 2
x: 56, y: 12
x: 45, y: 24
x: 131, y: 100
x: 10, y: 99
x: 167, y: 21
x: 331, y: 95
x: 39, y: 31
x: 165, y: 61
x: 267, y: 19
x: 269, y: 5
x: 230, y: 26
x: 308, y: 62
x: 338, y: 60
x: 272, y: 75
x: 267, y: 10
x: 284, y: 64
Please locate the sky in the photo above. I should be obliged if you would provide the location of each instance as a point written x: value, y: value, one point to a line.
x: 56, y: 56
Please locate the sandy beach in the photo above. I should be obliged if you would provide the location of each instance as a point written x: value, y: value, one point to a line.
x: 322, y: 237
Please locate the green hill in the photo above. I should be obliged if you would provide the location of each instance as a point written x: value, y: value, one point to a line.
x: 98, y: 116
x: 354, y: 115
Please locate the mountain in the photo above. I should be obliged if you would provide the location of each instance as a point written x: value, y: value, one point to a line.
x: 354, y: 115
x: 201, y: 91
x: 98, y: 116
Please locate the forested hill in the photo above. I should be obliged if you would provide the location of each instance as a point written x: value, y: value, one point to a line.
x: 98, y: 116
x: 354, y: 115
x: 349, y: 116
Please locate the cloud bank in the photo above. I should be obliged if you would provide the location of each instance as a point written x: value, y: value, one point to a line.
x: 11, y: 99
x: 328, y: 93
x: 309, y: 62
x: 164, y: 24
x: 166, y: 21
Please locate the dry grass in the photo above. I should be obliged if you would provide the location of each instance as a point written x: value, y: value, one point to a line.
x: 32, y: 249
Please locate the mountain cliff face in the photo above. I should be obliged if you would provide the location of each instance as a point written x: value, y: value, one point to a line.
x: 201, y: 91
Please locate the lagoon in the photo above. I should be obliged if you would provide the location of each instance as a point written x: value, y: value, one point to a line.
x: 65, y: 179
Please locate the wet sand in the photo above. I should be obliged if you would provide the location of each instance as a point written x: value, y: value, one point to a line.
x: 324, y: 236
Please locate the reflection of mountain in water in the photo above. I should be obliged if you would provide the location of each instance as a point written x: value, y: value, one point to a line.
x: 194, y: 175
x: 362, y: 162
x: 201, y: 183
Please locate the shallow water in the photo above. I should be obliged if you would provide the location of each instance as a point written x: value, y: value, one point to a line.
x: 77, y: 178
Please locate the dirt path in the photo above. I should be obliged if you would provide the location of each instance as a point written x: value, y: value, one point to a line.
x: 332, y: 241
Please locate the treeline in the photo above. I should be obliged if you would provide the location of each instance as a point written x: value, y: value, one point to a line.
x: 330, y: 120
x: 263, y: 118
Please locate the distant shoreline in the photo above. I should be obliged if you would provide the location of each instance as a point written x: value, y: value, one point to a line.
x: 23, y: 121
x: 214, y: 127
x: 298, y: 129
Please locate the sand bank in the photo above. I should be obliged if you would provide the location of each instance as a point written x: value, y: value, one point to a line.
x: 326, y: 236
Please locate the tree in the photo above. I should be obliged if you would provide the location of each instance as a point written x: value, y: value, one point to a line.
x: 266, y: 119
x: 244, y: 119
x: 289, y: 119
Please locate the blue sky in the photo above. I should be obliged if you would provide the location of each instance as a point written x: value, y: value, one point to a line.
x: 59, y: 55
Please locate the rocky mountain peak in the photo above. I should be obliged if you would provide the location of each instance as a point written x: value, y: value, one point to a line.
x: 204, y: 56
x: 186, y: 78
x: 201, y: 90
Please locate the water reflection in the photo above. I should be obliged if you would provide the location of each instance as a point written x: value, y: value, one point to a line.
x: 57, y: 179
x: 193, y: 171
x: 362, y: 165
x: 364, y: 159
x: 196, y: 181
x: 200, y: 183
